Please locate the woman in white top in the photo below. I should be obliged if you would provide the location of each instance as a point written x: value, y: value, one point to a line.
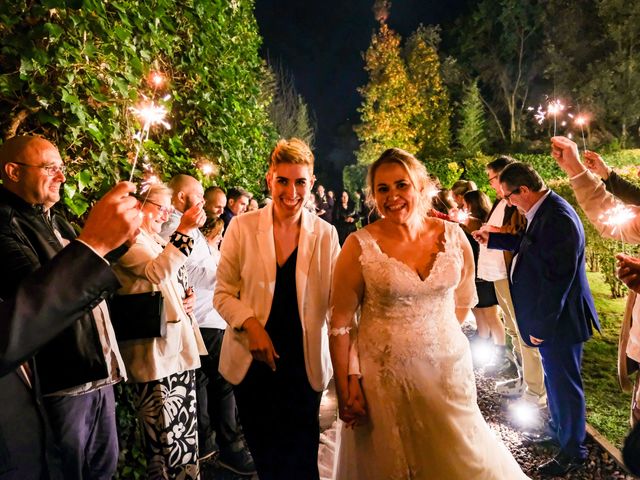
x: 162, y: 369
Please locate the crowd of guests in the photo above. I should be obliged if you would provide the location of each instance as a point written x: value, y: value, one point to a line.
x: 224, y: 343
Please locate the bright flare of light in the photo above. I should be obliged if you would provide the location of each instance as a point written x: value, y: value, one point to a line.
x: 617, y: 216
x: 156, y: 79
x: 432, y: 192
x: 581, y: 120
x: 524, y: 414
x: 461, y: 216
x: 555, y: 106
x: 151, y: 114
x: 482, y: 353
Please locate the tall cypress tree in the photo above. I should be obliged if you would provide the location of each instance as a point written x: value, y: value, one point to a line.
x: 433, y: 117
x: 389, y: 99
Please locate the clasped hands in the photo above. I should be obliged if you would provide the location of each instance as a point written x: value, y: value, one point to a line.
x: 352, y: 409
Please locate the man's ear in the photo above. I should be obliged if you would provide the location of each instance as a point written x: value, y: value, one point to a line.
x: 12, y: 172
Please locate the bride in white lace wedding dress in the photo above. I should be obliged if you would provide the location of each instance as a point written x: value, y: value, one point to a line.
x: 413, y: 413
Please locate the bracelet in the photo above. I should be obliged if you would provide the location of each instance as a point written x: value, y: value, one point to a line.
x: 334, y: 332
x: 182, y: 242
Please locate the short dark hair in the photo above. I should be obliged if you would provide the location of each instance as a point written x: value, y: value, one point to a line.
x: 520, y: 174
x: 500, y: 163
x: 213, y: 189
x: 237, y: 192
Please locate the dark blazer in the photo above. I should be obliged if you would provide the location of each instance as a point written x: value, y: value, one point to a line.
x: 549, y: 285
x: 28, y: 241
x: 626, y: 191
x: 48, y: 301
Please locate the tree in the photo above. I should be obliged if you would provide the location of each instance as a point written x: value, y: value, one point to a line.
x: 288, y: 111
x: 615, y: 77
x: 389, y: 99
x: 471, y: 130
x: 432, y: 118
x: 72, y: 74
x: 500, y: 43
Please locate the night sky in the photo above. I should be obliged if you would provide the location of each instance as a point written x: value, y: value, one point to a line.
x: 321, y: 44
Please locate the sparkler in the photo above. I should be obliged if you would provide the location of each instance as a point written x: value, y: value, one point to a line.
x: 554, y: 107
x: 150, y: 114
x: 581, y: 121
x: 616, y: 217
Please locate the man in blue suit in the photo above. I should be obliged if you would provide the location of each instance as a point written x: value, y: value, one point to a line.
x: 553, y: 303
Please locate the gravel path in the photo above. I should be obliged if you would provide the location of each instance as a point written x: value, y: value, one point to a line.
x: 600, y: 466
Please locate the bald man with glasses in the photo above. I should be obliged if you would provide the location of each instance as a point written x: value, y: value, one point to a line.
x: 73, y: 373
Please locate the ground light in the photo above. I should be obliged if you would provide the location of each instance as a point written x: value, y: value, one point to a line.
x: 483, y: 353
x: 524, y: 414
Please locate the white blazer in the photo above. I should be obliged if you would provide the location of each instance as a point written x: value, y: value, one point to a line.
x: 246, y: 283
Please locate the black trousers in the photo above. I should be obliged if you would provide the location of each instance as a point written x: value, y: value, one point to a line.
x: 217, y: 415
x: 279, y: 412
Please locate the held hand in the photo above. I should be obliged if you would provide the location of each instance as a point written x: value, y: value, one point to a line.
x: 351, y: 405
x: 260, y: 344
x: 628, y: 271
x: 595, y: 163
x: 535, y: 341
x: 481, y: 236
x: 113, y: 220
x: 194, y: 217
x: 356, y: 404
x: 189, y: 301
x: 565, y: 151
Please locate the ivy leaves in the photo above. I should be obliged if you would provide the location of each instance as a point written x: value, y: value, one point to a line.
x: 70, y: 70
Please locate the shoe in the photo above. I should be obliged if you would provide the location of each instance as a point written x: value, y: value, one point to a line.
x: 560, y: 465
x: 240, y: 461
x: 510, y: 388
x: 538, y: 437
x: 208, y: 450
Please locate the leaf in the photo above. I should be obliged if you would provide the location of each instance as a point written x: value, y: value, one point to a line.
x: 53, y: 30
x: 84, y: 179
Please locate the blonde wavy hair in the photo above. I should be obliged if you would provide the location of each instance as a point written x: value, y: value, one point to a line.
x: 417, y: 174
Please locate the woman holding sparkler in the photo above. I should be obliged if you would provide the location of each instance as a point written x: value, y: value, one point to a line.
x: 162, y: 369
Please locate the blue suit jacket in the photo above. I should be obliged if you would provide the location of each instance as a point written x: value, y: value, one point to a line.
x: 549, y: 287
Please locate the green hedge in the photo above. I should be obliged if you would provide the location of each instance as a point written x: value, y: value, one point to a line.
x: 72, y: 74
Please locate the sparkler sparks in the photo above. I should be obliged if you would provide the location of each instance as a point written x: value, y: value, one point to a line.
x: 554, y: 107
x: 617, y: 216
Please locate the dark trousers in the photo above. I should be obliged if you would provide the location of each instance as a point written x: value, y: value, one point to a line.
x: 279, y: 412
x: 565, y: 395
x: 84, y: 427
x: 217, y: 415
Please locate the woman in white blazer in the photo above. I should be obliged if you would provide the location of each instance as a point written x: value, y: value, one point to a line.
x: 162, y: 369
x: 273, y: 289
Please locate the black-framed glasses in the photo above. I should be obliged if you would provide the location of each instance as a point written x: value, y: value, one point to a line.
x: 491, y: 179
x: 51, y: 170
x: 508, y: 195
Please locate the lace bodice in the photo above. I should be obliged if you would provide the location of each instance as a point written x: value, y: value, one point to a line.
x: 404, y: 316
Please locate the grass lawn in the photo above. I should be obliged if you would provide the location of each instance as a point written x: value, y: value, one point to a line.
x: 607, y: 405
